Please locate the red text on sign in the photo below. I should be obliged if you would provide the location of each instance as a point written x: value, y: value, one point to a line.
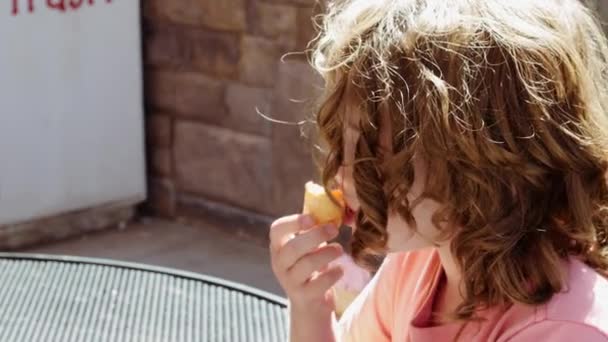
x: 58, y: 5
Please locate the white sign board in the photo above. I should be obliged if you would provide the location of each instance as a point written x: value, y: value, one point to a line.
x: 71, y: 112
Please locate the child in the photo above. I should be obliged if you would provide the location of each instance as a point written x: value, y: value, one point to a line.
x: 470, y: 137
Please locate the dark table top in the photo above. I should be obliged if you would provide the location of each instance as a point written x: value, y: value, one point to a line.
x: 53, y: 298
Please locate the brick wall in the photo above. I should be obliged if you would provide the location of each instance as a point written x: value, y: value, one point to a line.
x: 602, y: 6
x: 208, y: 65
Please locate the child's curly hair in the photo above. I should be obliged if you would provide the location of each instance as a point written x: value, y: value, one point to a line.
x: 506, y: 101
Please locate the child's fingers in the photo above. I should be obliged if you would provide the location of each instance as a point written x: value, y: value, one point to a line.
x: 318, y: 286
x: 284, y: 228
x: 305, y: 243
x: 304, y: 268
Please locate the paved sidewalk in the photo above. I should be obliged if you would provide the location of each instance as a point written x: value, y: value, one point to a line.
x: 201, y: 249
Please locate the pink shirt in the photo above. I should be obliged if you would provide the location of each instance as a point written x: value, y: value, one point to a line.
x: 396, y: 306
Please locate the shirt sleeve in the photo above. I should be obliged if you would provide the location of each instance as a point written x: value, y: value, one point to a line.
x: 559, y: 331
x: 370, y: 316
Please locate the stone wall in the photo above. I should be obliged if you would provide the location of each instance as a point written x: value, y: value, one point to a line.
x: 602, y: 7
x: 208, y: 66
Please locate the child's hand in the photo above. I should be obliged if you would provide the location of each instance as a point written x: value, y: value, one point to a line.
x: 300, y: 258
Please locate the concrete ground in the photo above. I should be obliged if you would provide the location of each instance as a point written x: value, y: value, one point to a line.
x: 202, y: 249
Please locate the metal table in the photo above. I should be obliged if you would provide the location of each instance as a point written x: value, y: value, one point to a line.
x: 53, y: 298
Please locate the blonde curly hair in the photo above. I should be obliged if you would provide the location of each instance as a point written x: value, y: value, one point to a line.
x: 506, y: 101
